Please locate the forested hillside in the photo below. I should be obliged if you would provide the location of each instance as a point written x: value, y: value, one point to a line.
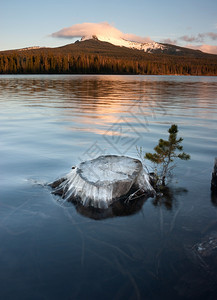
x: 95, y: 57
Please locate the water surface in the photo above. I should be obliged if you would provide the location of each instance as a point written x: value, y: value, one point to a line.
x: 53, y: 250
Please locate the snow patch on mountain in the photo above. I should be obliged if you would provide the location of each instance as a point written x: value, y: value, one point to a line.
x: 146, y: 47
x: 30, y: 48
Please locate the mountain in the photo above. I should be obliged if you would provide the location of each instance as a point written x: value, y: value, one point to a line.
x: 110, y: 45
x: 146, y: 47
x: 150, y: 47
x: 94, y: 56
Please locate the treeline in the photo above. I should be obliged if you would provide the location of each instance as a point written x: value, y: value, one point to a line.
x: 25, y: 63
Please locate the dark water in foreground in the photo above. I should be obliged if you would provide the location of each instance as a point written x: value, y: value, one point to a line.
x: 53, y: 250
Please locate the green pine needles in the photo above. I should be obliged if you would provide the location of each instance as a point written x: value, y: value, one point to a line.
x: 166, y: 152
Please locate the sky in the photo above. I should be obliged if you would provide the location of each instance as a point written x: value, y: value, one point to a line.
x: 191, y: 23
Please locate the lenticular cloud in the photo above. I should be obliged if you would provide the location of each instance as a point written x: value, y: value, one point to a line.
x: 87, y: 30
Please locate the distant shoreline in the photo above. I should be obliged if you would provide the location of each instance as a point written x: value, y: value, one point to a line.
x: 94, y: 57
x: 101, y: 74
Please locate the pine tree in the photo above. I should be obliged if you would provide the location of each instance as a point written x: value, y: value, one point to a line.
x: 166, y: 153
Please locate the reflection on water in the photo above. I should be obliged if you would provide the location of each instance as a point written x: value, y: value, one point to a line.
x: 123, y: 207
x: 168, y: 197
x: 214, y: 198
x: 118, y: 209
x: 52, y: 251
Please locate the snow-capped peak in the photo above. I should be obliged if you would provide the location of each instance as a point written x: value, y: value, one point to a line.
x: 118, y: 41
x: 108, y: 33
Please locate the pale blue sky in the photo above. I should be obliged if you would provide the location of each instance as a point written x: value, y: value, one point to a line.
x: 29, y: 23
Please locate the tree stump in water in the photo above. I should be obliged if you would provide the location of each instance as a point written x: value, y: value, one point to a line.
x: 101, y: 181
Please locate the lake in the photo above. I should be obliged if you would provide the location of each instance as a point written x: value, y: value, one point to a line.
x: 56, y: 250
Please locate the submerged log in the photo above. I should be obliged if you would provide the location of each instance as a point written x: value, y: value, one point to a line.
x: 101, y: 181
x: 214, y: 178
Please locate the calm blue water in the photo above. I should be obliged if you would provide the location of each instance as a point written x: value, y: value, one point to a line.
x: 50, y: 250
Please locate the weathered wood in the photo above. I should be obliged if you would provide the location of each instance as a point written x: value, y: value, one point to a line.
x: 214, y: 178
x: 101, y: 181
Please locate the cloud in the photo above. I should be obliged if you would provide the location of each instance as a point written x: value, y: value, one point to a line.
x: 190, y: 39
x: 99, y: 29
x: 212, y: 35
x: 136, y: 38
x: 169, y: 41
x: 106, y: 30
x: 199, y: 38
x: 205, y: 48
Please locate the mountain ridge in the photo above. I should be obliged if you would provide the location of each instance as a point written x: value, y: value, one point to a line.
x: 92, y: 56
x: 167, y: 49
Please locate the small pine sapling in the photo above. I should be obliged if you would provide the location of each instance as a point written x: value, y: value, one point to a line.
x: 165, y: 154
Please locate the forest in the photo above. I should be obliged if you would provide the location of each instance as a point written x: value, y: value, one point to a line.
x: 74, y: 59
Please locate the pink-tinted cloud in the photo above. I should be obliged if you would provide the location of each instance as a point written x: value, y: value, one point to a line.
x: 99, y: 29
x: 212, y: 35
x: 136, y: 38
x: 205, y: 48
x: 199, y: 38
x: 169, y: 41
x: 190, y: 39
